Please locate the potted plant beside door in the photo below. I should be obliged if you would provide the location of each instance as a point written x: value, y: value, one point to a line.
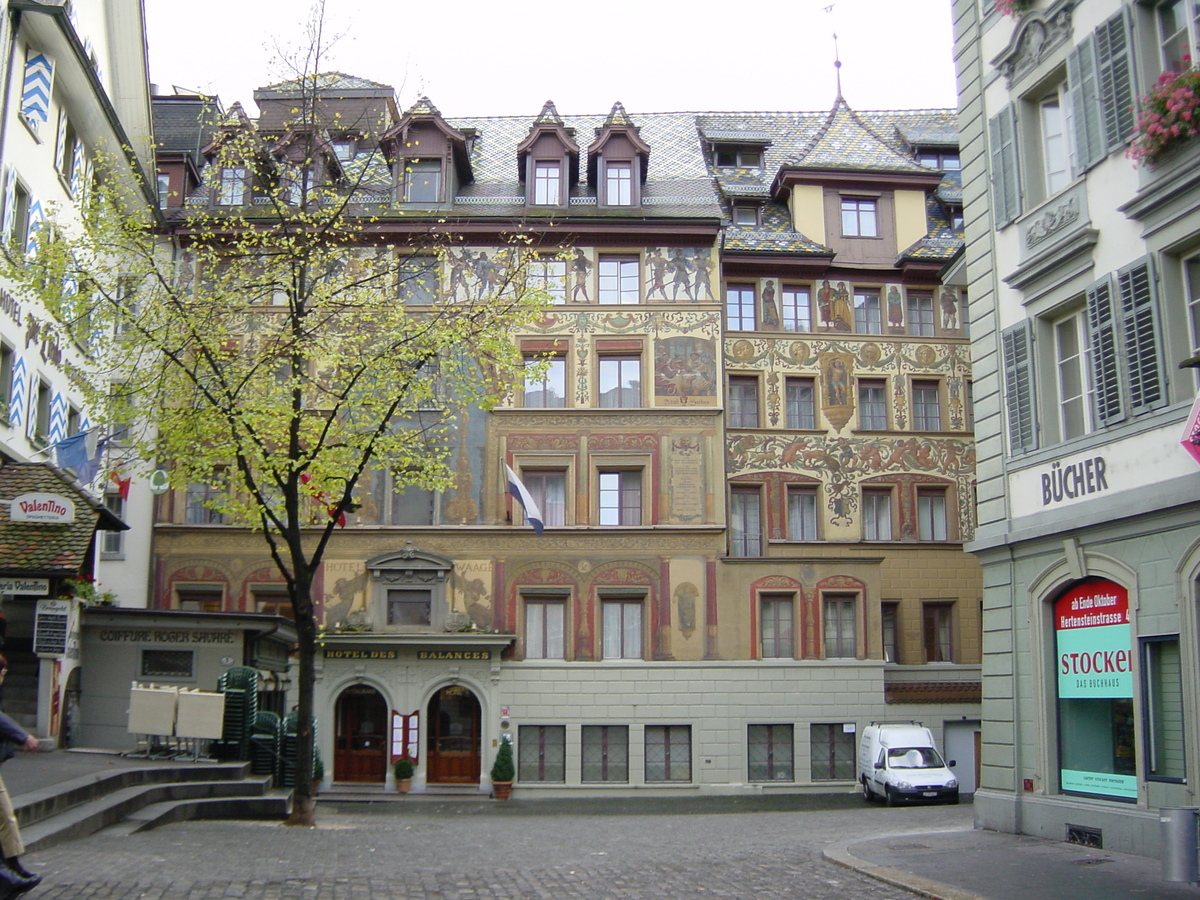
x: 503, y: 770
x: 403, y: 770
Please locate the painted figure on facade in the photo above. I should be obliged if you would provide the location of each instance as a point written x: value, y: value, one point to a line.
x: 843, y: 314
x: 685, y: 369
x: 770, y: 314
x: 703, y: 279
x: 657, y: 264
x: 949, y: 308
x: 895, y: 308
x: 837, y: 397
x: 580, y: 267
x: 825, y: 304
x: 681, y: 275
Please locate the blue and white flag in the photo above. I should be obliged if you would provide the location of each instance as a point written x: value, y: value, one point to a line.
x: 521, y: 493
x: 83, y: 452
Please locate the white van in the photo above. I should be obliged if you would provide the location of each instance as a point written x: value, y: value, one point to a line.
x: 900, y: 762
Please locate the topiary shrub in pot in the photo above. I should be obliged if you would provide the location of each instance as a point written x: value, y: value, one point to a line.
x: 503, y: 770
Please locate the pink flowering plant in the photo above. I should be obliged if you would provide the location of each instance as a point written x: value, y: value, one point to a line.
x: 1170, y: 115
x: 1013, y: 7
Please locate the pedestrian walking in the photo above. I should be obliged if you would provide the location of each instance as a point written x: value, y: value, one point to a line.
x: 14, y: 878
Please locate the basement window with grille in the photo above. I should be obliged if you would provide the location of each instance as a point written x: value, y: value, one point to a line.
x: 168, y: 663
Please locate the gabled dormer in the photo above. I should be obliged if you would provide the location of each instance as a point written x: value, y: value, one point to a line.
x: 305, y: 159
x: 548, y: 159
x: 618, y: 161
x: 429, y: 159
x: 231, y: 159
x: 856, y: 191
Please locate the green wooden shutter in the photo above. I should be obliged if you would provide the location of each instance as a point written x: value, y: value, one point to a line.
x: 1006, y: 184
x: 1115, y: 74
x: 1085, y: 105
x: 1140, y: 333
x: 1018, y: 387
x: 1105, y: 361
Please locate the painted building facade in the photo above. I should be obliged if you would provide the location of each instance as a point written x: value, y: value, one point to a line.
x: 1082, y: 270
x: 75, y: 99
x: 747, y: 434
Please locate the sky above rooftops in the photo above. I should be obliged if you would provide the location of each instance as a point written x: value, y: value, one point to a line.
x: 482, y: 58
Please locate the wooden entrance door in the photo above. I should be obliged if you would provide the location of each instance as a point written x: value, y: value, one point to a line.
x: 360, y: 749
x: 453, y: 737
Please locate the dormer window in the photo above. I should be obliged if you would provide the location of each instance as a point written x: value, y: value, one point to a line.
x: 345, y: 149
x: 231, y: 186
x: 860, y: 217
x: 618, y: 183
x: 745, y: 215
x: 945, y: 162
x: 423, y: 181
x: 733, y: 155
x: 547, y: 183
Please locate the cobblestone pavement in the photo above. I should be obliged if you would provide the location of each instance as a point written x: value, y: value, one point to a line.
x: 558, y: 850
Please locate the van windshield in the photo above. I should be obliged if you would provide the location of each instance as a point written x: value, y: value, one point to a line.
x: 914, y: 758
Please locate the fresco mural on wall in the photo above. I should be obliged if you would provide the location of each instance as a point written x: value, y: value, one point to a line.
x: 895, y: 309
x: 672, y: 271
x: 833, y: 307
x: 685, y: 372
x: 950, y: 304
x: 837, y: 393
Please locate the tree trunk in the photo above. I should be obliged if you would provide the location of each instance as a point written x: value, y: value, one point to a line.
x: 304, y: 808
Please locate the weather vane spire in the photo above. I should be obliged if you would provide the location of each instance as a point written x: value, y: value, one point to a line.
x: 837, y: 60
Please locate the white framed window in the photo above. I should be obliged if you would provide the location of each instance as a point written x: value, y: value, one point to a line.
x: 800, y: 402
x: 931, y: 514
x: 548, y: 276
x: 802, y: 512
x: 926, y: 406
x: 547, y: 183
x: 1191, y: 289
x: 549, y: 490
x: 920, y: 313
x: 620, y: 279
x: 618, y: 184
x: 112, y: 543
x: 231, y: 186
x: 1178, y: 24
x: 423, y: 181
x: 620, y: 497
x: 872, y: 404
x: 868, y: 317
x: 621, y: 628
x: 797, y: 309
x: 743, y: 401
x: 418, y: 279
x: 739, y: 307
x: 1073, y: 368
x: 839, y: 625
x: 545, y: 621
x: 745, y: 515
x: 1056, y: 153
x: 890, y: 618
x: 877, y: 514
x: 860, y: 217
x: 546, y: 389
x: 620, y: 381
x: 775, y: 625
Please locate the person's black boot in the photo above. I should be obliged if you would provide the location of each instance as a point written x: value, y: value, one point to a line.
x: 14, y: 863
x: 14, y: 883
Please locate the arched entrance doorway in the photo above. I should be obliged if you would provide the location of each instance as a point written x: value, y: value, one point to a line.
x: 360, y: 748
x: 453, y: 737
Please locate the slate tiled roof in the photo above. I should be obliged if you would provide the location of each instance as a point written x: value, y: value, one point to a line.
x: 185, y: 124
x: 329, y: 81
x: 34, y: 549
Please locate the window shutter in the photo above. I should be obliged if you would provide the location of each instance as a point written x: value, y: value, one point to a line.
x: 60, y: 142
x: 1106, y: 375
x: 1115, y: 67
x: 1006, y: 185
x: 1018, y: 383
x: 36, y: 89
x: 36, y: 217
x: 10, y: 201
x: 1085, y: 111
x: 1139, y: 329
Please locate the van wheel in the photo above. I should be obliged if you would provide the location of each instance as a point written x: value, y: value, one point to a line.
x: 891, y: 798
x: 868, y: 794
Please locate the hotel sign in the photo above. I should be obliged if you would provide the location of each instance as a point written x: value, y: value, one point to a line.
x: 359, y: 653
x: 454, y: 654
